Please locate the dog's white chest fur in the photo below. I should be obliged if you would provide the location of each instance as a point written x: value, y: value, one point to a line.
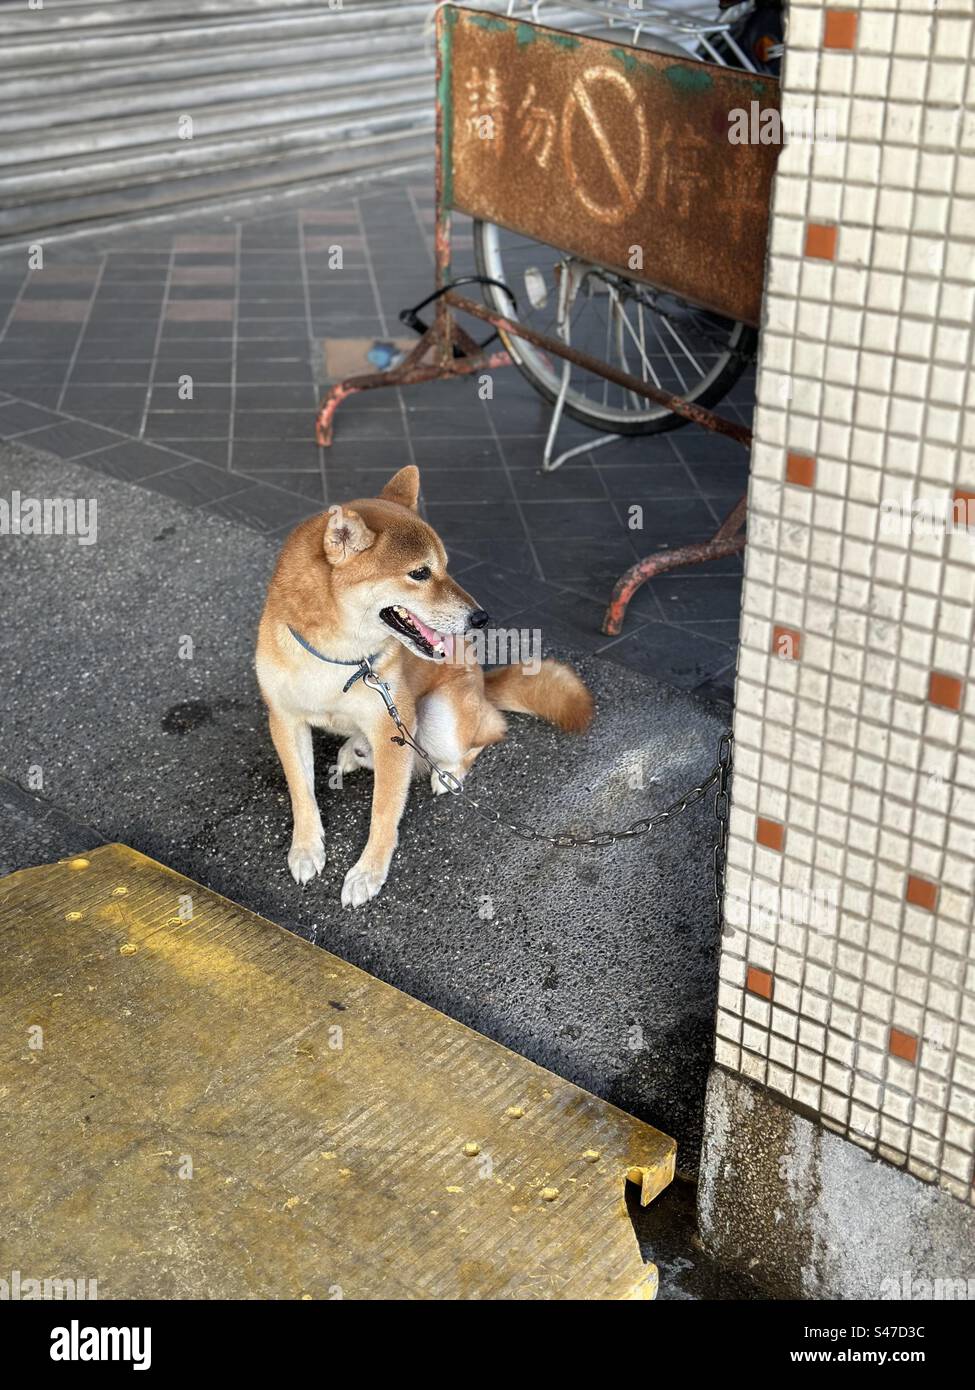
x: 314, y: 691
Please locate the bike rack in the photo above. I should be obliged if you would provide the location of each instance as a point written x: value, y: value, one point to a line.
x: 729, y: 539
x: 568, y: 162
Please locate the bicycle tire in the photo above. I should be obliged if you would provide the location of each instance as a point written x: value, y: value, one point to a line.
x: 742, y: 340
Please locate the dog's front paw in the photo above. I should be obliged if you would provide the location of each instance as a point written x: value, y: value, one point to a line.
x: 361, y: 884
x: 306, y: 861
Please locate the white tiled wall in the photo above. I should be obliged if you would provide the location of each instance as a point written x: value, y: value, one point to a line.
x: 848, y: 970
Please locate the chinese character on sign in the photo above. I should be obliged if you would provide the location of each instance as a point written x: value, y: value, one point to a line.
x: 538, y: 128
x: 486, y: 107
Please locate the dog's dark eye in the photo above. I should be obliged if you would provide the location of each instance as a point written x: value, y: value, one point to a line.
x: 422, y: 573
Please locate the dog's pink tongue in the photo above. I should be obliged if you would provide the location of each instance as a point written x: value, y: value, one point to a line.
x: 432, y: 637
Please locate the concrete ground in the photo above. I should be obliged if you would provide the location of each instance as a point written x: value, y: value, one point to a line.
x: 600, y: 965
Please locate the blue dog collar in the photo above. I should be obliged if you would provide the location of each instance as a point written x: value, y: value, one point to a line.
x: 363, y: 665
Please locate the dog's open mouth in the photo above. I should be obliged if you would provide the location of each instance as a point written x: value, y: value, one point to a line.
x: 425, y: 640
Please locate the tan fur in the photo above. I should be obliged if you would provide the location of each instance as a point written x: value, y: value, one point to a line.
x: 555, y: 693
x: 333, y: 576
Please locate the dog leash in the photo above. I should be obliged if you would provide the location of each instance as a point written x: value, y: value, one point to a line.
x: 719, y: 777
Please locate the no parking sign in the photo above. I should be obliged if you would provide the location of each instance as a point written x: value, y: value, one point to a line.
x: 620, y: 155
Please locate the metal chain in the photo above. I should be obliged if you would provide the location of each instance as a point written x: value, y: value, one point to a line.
x: 718, y: 776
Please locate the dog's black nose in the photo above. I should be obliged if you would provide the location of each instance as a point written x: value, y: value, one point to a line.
x: 478, y: 618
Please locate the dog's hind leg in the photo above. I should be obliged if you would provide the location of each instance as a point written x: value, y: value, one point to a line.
x: 292, y: 740
x: 459, y: 770
x: 354, y: 754
x: 491, y: 728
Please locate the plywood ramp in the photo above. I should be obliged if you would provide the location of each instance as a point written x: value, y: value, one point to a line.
x: 195, y: 1103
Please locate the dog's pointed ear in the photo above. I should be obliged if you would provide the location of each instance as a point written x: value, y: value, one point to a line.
x: 346, y: 535
x: 404, y: 487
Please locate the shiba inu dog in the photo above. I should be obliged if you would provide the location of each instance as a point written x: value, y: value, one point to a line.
x: 370, y: 579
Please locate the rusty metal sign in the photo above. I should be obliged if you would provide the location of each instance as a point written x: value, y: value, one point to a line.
x: 619, y: 155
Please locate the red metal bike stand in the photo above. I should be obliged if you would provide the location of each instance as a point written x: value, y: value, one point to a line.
x: 729, y: 539
x: 437, y: 343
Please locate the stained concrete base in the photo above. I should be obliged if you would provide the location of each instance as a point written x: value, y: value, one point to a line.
x: 810, y: 1215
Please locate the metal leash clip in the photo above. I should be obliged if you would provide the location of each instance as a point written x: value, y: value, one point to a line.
x: 382, y: 689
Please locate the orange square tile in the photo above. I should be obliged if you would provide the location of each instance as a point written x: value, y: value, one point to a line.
x: 770, y: 833
x: 786, y: 642
x: 820, y: 241
x: 945, y: 691
x: 904, y: 1045
x: 840, y: 29
x: 759, y: 982
x: 921, y: 892
x: 800, y: 469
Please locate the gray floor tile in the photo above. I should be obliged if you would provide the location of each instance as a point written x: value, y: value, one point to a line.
x: 71, y: 438
x: 133, y: 461
x: 196, y: 484
x: 18, y: 416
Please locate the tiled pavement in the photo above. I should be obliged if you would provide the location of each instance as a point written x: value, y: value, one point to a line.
x: 101, y: 343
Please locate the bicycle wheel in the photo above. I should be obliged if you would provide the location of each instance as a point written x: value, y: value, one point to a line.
x: 652, y: 335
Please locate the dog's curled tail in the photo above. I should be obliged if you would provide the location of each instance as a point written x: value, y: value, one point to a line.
x: 552, y: 691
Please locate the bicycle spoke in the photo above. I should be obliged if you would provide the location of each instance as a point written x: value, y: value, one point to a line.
x: 606, y: 356
x: 677, y: 347
x: 647, y: 364
x: 684, y: 348
x: 667, y: 353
